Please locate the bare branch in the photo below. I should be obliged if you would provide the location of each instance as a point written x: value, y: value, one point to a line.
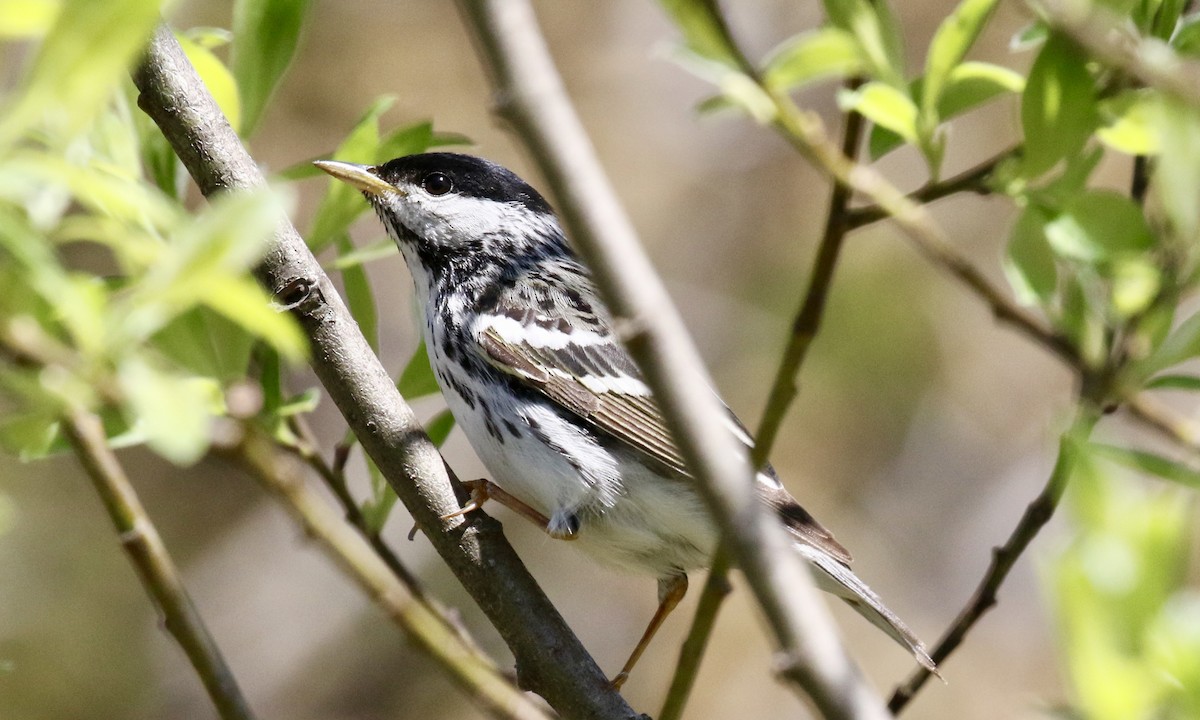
x: 1160, y: 418
x: 973, y: 179
x: 550, y: 659
x: 531, y: 98
x: 1035, y: 517
x: 716, y: 588
x: 812, y: 307
x: 140, y: 540
x: 424, y: 622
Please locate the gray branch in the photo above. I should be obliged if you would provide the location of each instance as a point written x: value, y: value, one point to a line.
x: 531, y: 98
x: 550, y: 659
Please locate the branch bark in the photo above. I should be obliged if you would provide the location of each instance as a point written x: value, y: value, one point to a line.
x: 141, y: 541
x: 1035, y: 517
x: 550, y: 659
x: 530, y: 97
x: 417, y: 616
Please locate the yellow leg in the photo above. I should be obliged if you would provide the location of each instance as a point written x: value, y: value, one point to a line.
x: 483, y: 490
x: 670, y: 591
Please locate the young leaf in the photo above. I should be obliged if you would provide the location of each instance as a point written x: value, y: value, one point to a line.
x: 82, y: 59
x: 174, y: 412
x: 1177, y: 174
x: 439, y: 426
x: 1148, y: 463
x: 883, y: 105
x: 359, y: 296
x: 702, y: 30
x: 417, y: 380
x: 828, y: 52
x: 1030, y: 263
x: 342, y: 204
x: 1098, y: 226
x: 972, y: 84
x: 1175, y: 382
x: 954, y: 37
x: 375, y: 251
x: 1058, y: 107
x: 1130, y: 126
x: 265, y: 36
x: 877, y: 33
x: 1181, y: 344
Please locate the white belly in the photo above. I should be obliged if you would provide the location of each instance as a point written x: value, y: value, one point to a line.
x: 627, y: 515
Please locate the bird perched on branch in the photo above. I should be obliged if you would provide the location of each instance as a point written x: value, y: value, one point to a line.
x: 532, y: 369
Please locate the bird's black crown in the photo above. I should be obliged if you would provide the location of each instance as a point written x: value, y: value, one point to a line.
x: 470, y: 176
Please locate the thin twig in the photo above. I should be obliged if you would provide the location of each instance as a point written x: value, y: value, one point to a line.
x: 1035, y: 517
x: 812, y: 308
x: 141, y: 541
x: 716, y: 588
x: 423, y: 621
x: 805, y: 131
x: 550, y: 659
x: 335, y: 479
x: 973, y: 179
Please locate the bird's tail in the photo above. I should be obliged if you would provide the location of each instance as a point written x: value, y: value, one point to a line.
x: 836, y: 578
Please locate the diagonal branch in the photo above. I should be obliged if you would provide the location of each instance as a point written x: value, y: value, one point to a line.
x: 838, y: 221
x: 550, y: 659
x: 533, y: 102
x: 419, y: 617
x: 153, y: 563
x: 973, y: 179
x: 1035, y: 517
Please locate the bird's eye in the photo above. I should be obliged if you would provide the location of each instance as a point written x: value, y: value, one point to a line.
x: 436, y: 184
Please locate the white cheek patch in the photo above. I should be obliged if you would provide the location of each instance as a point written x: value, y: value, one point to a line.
x: 449, y: 219
x: 518, y: 333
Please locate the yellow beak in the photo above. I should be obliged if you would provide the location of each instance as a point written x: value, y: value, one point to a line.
x: 362, y: 177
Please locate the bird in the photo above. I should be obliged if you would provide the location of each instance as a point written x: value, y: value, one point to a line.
x: 531, y: 365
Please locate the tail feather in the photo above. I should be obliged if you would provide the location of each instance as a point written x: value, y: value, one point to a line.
x: 836, y: 578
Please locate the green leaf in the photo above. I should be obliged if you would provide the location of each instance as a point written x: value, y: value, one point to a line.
x: 265, y: 36
x: 703, y: 31
x: 342, y: 204
x: 954, y: 37
x: 1148, y: 463
x: 359, y: 296
x: 174, y: 412
x: 206, y: 343
x: 301, y: 404
x: 1130, y: 123
x: 22, y: 19
x: 972, y: 84
x: 1099, y: 225
x: 85, y: 55
x: 418, y: 380
x: 216, y: 77
x: 439, y: 426
x: 1174, y: 382
x: 883, y: 105
x: 384, y: 248
x: 1186, y: 40
x: 1032, y: 35
x: 1135, y: 284
x: 206, y: 258
x: 1177, y: 174
x: 242, y: 300
x: 1029, y: 263
x: 816, y: 55
x: 878, y: 35
x: 1181, y: 344
x: 1058, y: 107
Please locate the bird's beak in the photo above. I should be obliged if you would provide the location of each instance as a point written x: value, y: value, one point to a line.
x: 362, y: 177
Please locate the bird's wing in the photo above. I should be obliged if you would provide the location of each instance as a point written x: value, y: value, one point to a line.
x: 592, y: 377
x: 568, y: 354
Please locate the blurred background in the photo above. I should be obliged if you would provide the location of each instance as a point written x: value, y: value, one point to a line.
x: 921, y: 430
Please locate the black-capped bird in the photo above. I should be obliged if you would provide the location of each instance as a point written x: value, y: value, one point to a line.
x: 532, y: 369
